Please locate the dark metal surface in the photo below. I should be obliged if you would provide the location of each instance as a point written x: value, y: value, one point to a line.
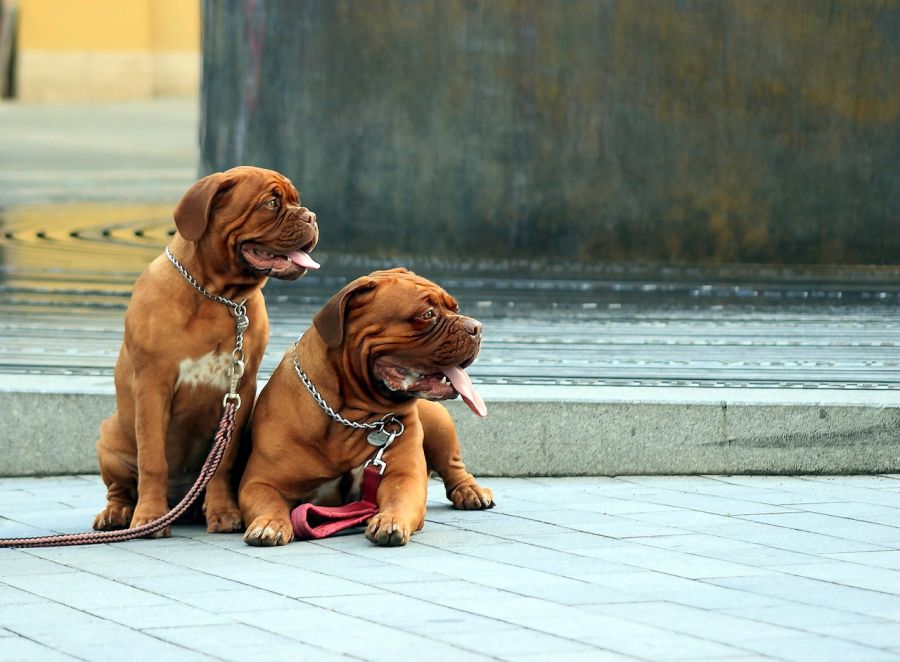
x: 725, y: 131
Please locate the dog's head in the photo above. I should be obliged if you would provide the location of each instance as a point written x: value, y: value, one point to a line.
x: 253, y: 215
x: 403, y: 337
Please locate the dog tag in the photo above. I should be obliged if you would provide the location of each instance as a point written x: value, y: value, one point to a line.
x: 380, y: 437
x: 241, y: 323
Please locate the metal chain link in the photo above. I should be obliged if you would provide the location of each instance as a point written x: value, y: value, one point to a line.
x: 197, y: 286
x: 241, y: 322
x: 377, y: 425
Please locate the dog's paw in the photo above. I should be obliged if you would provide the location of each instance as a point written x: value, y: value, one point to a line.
x: 386, y: 530
x: 471, y: 496
x: 145, y: 516
x: 114, y: 516
x: 269, y: 532
x: 224, y: 521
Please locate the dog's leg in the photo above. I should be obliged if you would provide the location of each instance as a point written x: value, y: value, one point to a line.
x: 401, y: 494
x: 442, y: 452
x: 152, y: 415
x: 220, y: 506
x: 119, y: 474
x: 268, y: 514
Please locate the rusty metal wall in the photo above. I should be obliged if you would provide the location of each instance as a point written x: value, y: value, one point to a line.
x: 678, y: 131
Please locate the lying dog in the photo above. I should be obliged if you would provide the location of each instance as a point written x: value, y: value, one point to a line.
x: 235, y: 229
x: 387, y: 343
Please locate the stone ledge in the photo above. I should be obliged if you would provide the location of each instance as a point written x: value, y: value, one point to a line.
x: 51, y: 426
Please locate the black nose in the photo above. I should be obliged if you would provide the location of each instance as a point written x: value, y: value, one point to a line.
x: 473, y: 326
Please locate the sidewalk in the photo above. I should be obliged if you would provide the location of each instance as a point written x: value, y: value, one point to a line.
x: 699, y: 568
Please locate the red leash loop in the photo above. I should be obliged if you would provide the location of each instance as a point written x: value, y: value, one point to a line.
x: 313, y: 522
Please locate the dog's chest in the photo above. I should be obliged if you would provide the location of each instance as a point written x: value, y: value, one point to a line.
x: 338, y: 491
x: 211, y: 369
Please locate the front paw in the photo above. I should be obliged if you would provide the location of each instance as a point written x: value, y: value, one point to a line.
x: 144, y: 516
x: 388, y: 531
x: 227, y: 520
x: 114, y: 516
x: 471, y: 496
x: 269, y: 532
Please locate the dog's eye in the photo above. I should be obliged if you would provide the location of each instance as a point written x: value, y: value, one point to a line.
x: 427, y: 315
x: 272, y: 204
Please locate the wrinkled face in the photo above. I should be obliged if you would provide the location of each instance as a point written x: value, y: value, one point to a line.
x: 412, y: 340
x: 268, y: 229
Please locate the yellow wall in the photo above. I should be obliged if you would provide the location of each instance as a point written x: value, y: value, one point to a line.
x: 96, y: 50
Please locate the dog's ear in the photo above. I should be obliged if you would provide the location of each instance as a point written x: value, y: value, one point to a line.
x: 193, y: 212
x: 329, y: 321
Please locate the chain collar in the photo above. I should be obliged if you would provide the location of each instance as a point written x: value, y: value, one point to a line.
x: 378, y: 435
x: 241, y: 322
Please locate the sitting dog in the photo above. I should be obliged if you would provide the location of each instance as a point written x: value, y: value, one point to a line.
x: 388, y: 343
x: 234, y: 230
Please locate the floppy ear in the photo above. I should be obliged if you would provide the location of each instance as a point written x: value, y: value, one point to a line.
x: 193, y: 211
x: 329, y: 321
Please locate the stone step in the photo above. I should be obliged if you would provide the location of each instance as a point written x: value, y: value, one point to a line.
x: 51, y: 422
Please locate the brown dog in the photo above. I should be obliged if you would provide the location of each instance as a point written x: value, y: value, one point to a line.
x: 386, y: 343
x: 235, y: 229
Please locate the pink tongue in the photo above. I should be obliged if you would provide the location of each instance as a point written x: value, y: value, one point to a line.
x: 463, y: 385
x: 302, y: 259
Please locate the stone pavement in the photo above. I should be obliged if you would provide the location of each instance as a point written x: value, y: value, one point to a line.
x: 655, y: 568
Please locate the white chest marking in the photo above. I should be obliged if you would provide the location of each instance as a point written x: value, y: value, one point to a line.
x: 209, y: 370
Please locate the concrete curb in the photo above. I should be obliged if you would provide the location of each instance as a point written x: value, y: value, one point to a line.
x: 51, y: 426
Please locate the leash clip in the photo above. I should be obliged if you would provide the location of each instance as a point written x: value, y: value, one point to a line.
x: 378, y: 463
x: 383, y: 438
x: 235, y: 372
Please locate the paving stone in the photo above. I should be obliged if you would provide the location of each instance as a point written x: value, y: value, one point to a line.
x: 513, y: 643
x: 703, y: 623
x: 655, y: 586
x: 84, y: 591
x: 19, y: 649
x: 159, y: 616
x: 236, y: 602
x: 801, y: 617
x: 401, y: 612
x: 837, y: 527
x: 884, y: 559
x: 236, y: 641
x: 814, y: 647
x: 873, y: 514
x: 357, y: 637
x: 679, y: 564
x: 87, y: 637
x: 816, y: 592
x: 880, y: 634
x: 849, y: 574
x: 175, y: 584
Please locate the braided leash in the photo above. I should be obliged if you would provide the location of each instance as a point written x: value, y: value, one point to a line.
x: 231, y: 403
